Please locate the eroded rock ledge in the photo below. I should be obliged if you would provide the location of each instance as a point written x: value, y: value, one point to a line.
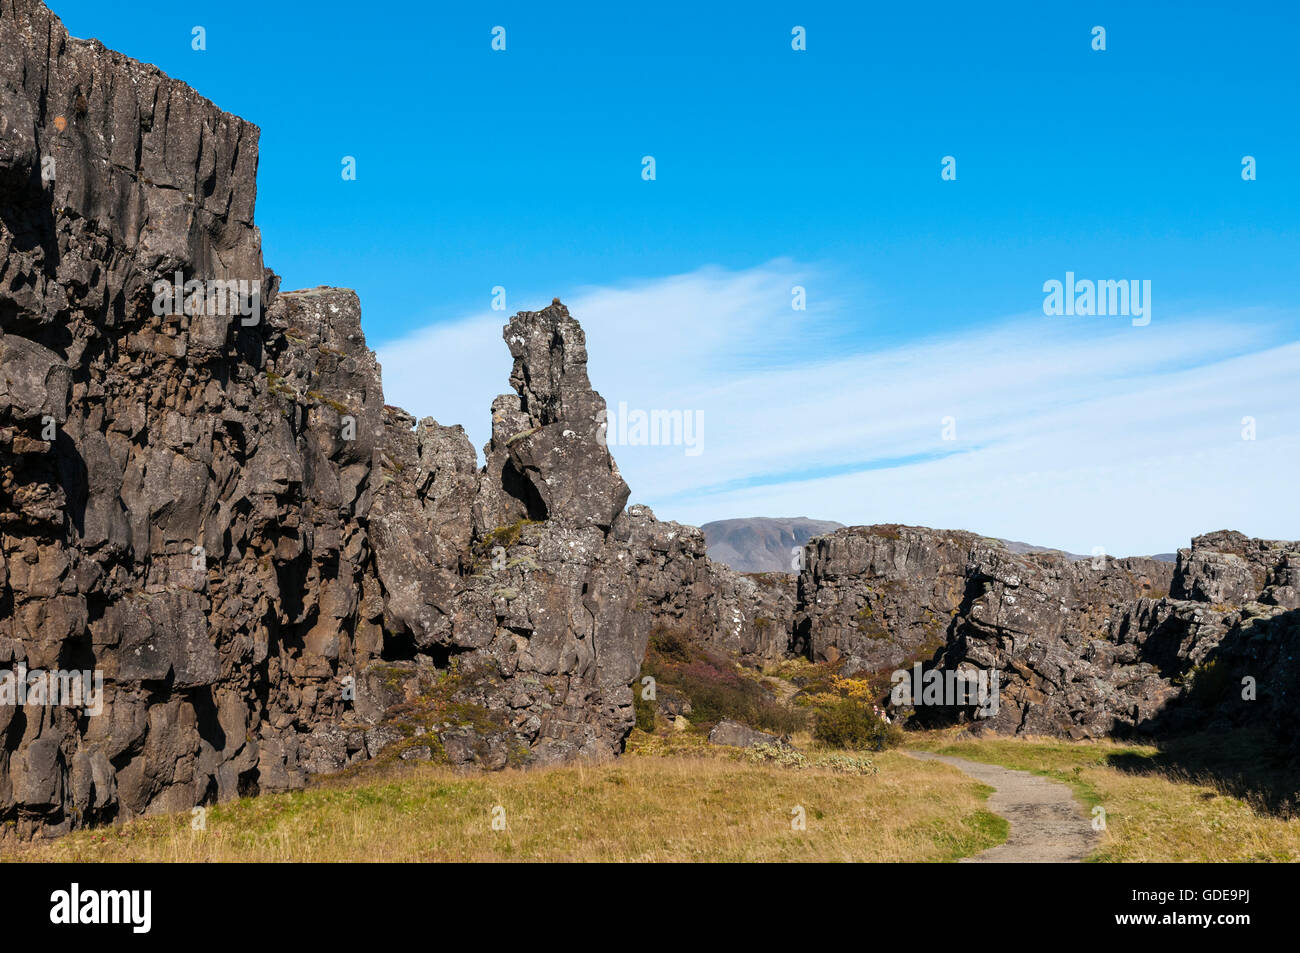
x: 1084, y: 648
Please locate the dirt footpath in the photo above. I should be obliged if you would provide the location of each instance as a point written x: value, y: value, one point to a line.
x: 1047, y: 824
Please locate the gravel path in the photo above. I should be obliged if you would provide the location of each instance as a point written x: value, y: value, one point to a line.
x: 1047, y: 824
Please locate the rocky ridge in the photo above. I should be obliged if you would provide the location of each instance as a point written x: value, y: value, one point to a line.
x: 1083, y: 648
x: 212, y: 508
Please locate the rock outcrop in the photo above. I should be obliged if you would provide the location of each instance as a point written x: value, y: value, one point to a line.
x: 146, y: 477
x: 733, y: 734
x: 881, y: 596
x: 1083, y: 648
x: 206, y: 504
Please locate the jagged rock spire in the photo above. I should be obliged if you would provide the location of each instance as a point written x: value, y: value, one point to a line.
x: 548, y: 450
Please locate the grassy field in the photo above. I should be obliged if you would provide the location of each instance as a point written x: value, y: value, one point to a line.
x: 641, y: 808
x: 676, y: 798
x: 1213, y: 799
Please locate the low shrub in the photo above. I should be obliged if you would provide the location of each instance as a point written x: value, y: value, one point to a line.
x: 644, y: 708
x: 671, y: 645
x: 718, y: 691
x: 716, y: 687
x: 851, y: 723
x: 783, y: 756
x: 1208, y: 683
x: 846, y: 764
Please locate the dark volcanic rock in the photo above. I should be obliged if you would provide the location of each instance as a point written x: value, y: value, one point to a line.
x: 548, y: 439
x: 886, y: 597
x: 1052, y: 626
x: 748, y: 616
x: 1083, y: 647
x: 145, y: 483
x: 880, y: 596
x: 212, y: 509
x: 735, y: 735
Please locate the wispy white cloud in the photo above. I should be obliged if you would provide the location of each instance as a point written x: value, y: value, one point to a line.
x: 1072, y: 432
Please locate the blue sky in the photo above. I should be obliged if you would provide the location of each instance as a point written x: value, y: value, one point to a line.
x: 522, y: 169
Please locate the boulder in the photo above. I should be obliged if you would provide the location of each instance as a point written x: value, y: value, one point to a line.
x: 735, y: 735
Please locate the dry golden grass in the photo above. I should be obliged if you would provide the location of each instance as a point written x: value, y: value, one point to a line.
x: 675, y: 799
x: 1184, y: 801
x: 640, y: 808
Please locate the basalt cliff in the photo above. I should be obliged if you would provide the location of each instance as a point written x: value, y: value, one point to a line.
x: 211, y: 507
x: 1083, y: 647
x: 273, y: 574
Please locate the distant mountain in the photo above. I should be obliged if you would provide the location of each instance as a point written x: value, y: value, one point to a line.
x: 761, y: 544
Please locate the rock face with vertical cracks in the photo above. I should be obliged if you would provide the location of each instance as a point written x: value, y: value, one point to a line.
x: 1084, y: 648
x: 212, y: 509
